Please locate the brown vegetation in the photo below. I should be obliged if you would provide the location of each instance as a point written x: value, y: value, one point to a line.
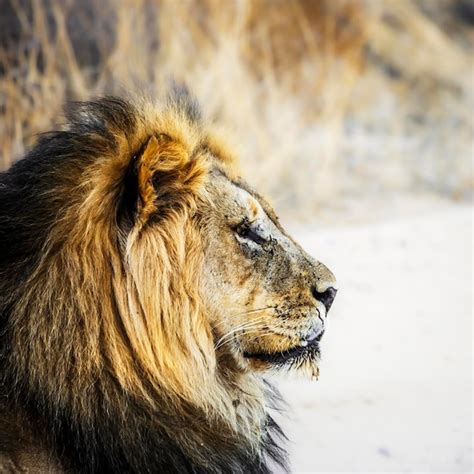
x: 325, y: 98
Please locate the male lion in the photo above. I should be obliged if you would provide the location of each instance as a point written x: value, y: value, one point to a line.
x: 144, y: 290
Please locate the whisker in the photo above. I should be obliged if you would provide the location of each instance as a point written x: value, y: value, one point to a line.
x: 250, y: 327
x: 245, y: 323
x: 255, y: 310
x: 235, y: 335
x: 220, y: 323
x: 245, y: 326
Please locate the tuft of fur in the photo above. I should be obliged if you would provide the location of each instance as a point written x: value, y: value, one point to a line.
x: 106, y: 351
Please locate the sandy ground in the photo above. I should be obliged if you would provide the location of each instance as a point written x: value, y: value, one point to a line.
x: 396, y: 377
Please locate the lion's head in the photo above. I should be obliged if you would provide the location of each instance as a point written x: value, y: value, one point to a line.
x: 144, y: 287
x: 266, y: 297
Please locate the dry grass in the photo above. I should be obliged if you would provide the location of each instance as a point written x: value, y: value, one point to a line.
x: 325, y: 99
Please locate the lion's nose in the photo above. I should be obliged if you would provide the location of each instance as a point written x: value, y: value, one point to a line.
x: 326, y: 297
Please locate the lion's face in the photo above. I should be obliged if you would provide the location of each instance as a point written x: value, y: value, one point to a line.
x: 268, y: 298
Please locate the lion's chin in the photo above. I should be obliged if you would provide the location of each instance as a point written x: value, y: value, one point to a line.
x: 302, y: 359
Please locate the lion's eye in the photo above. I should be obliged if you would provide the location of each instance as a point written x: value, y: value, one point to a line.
x: 247, y: 232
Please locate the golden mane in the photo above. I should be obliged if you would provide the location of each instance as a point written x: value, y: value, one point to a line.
x: 102, y: 326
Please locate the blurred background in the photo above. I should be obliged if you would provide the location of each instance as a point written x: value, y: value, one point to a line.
x: 356, y: 118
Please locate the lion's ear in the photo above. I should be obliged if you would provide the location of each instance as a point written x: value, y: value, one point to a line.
x: 146, y: 168
x: 167, y: 176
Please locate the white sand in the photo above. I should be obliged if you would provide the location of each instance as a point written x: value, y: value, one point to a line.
x: 396, y: 378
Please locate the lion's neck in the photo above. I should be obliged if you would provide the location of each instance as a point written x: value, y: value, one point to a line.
x: 104, y: 428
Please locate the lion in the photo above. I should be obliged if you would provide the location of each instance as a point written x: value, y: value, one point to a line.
x: 145, y: 292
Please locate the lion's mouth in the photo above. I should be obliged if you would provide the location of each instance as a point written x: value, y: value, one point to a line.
x: 281, y: 357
